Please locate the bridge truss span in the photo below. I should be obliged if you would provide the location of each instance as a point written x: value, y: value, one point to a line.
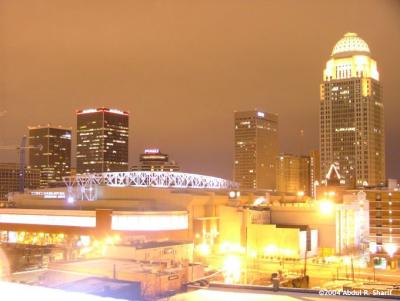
x: 86, y: 184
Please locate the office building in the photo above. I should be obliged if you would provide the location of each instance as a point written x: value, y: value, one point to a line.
x: 351, y: 114
x: 256, y: 149
x: 289, y: 228
x: 102, y: 140
x: 315, y: 170
x: 10, y: 177
x: 293, y: 174
x: 384, y: 217
x: 52, y: 153
x: 153, y: 160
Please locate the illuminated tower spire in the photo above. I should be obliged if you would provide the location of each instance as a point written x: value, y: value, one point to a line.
x: 351, y: 114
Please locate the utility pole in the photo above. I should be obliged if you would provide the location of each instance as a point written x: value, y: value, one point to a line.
x: 352, y: 267
x: 305, y: 267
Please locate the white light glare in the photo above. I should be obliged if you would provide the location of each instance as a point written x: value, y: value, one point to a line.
x: 52, y: 220
x: 16, y: 291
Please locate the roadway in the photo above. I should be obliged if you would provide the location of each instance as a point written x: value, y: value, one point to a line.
x: 240, y: 294
x: 319, y: 273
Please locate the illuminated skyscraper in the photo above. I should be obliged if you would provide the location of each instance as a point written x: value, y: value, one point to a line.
x: 351, y: 114
x: 256, y: 149
x: 53, y: 157
x: 102, y: 140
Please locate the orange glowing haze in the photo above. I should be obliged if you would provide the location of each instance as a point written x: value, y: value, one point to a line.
x: 182, y: 67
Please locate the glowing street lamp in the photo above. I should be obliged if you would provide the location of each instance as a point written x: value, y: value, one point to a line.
x: 326, y: 207
x: 373, y: 248
x: 259, y: 201
x: 232, y: 269
x: 204, y: 249
x: 70, y: 199
x: 270, y: 250
x: 234, y: 194
x: 390, y: 248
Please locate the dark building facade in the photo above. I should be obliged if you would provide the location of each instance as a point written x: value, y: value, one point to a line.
x: 102, y: 140
x: 9, y: 178
x: 52, y: 153
x: 293, y: 174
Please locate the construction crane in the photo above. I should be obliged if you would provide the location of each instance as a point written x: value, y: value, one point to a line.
x: 21, y: 149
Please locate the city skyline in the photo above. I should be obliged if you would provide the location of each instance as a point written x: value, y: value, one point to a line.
x: 235, y: 71
x: 190, y: 149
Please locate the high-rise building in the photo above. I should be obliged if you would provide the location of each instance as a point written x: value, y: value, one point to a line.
x: 10, y: 177
x: 256, y: 148
x: 293, y: 174
x: 351, y: 114
x: 153, y: 160
x: 53, y: 156
x: 102, y: 140
x: 315, y: 171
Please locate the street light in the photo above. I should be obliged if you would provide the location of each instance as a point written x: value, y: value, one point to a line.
x: 232, y: 269
x: 234, y: 194
x: 326, y: 206
x: 204, y: 249
x: 390, y: 248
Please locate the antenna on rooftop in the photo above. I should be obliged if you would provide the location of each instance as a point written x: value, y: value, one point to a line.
x: 301, y: 142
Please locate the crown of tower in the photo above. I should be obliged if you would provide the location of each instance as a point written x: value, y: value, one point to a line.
x: 351, y: 43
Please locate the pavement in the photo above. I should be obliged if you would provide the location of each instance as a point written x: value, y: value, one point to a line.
x: 233, y: 294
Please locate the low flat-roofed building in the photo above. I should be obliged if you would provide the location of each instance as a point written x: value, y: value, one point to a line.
x: 252, y: 228
x: 169, y: 252
x: 342, y: 228
x: 105, y: 287
x: 155, y: 278
x: 118, y: 214
x: 282, y: 241
x: 80, y: 283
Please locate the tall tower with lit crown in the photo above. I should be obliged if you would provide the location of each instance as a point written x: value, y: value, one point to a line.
x: 351, y: 114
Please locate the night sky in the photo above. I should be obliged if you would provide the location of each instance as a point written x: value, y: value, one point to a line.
x: 182, y: 67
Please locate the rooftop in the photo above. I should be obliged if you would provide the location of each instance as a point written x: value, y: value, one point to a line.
x: 351, y: 43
